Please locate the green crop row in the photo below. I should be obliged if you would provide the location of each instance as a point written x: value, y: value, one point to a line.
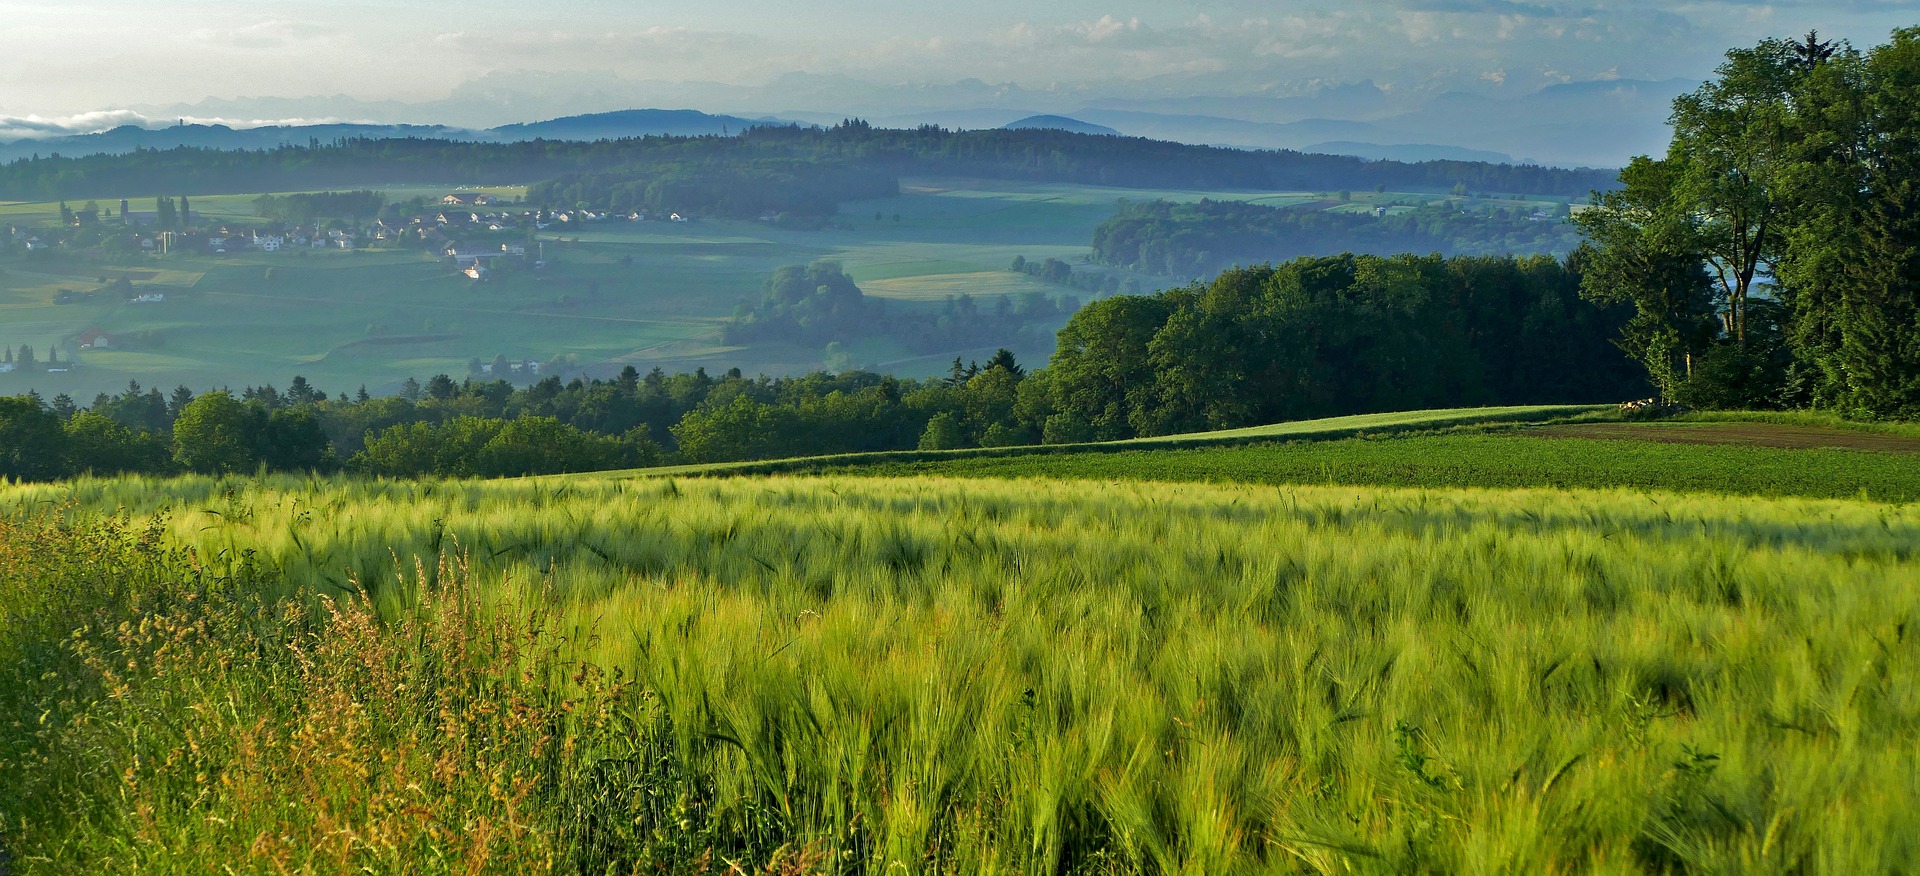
x: 1500, y: 460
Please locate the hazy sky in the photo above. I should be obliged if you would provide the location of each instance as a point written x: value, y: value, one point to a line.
x: 74, y: 56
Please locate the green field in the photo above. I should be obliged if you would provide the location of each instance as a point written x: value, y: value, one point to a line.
x: 1516, y: 459
x: 644, y: 294
x: 1058, y: 662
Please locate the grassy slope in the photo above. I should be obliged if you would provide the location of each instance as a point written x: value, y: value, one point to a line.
x: 951, y: 674
x: 1299, y: 430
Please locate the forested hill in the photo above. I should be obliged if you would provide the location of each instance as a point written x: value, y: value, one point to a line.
x: 1037, y: 155
x: 1203, y: 238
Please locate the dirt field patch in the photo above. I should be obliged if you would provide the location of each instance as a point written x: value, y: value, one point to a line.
x: 1752, y: 434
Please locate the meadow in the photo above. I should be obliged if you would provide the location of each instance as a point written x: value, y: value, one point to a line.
x: 646, y: 294
x: 794, y: 674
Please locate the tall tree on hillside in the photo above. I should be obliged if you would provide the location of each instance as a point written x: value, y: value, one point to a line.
x: 1733, y: 157
x: 1729, y: 197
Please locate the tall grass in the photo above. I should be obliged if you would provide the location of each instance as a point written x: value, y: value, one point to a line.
x: 926, y: 675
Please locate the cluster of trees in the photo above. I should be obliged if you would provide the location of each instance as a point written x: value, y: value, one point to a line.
x: 1328, y: 336
x: 1057, y: 272
x: 214, y: 433
x: 1031, y: 154
x: 25, y: 360
x: 1772, y: 257
x: 818, y: 304
x: 737, y: 189
x: 306, y: 208
x: 1192, y: 240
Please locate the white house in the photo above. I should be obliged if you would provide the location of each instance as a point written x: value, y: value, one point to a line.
x: 5, y: 367
x: 150, y: 298
x: 514, y: 249
x: 269, y: 242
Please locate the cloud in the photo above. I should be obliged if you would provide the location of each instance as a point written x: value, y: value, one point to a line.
x: 267, y: 35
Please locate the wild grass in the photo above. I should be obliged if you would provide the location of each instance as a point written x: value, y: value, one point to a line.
x: 839, y: 674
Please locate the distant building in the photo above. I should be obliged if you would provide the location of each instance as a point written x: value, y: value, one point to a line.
x: 95, y: 339
x: 150, y: 298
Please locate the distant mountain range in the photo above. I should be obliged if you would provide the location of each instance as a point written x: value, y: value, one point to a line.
x: 1591, y: 124
x: 596, y: 126
x: 1599, y: 123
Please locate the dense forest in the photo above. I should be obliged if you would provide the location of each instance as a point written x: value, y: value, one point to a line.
x: 1313, y: 337
x: 1031, y: 154
x: 739, y: 189
x: 1190, y: 240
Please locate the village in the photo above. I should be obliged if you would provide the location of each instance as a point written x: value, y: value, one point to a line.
x: 469, y: 228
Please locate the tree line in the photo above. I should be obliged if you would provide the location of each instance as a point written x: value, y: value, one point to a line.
x: 736, y: 189
x: 1030, y: 154
x: 1199, y: 239
x: 1772, y: 256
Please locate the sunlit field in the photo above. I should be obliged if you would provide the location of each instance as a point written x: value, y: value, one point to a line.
x: 838, y: 674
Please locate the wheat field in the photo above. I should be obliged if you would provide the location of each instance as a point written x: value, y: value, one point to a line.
x: 870, y: 675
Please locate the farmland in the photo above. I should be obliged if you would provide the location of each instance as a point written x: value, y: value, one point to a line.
x: 1506, y: 459
x: 646, y: 294
x: 1056, y: 662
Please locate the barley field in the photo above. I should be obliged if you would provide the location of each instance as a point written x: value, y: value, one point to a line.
x: 928, y: 675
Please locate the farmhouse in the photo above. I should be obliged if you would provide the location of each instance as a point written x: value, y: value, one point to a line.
x: 466, y: 199
x: 150, y: 298
x: 94, y: 339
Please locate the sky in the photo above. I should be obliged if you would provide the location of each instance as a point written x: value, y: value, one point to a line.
x: 61, y: 60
